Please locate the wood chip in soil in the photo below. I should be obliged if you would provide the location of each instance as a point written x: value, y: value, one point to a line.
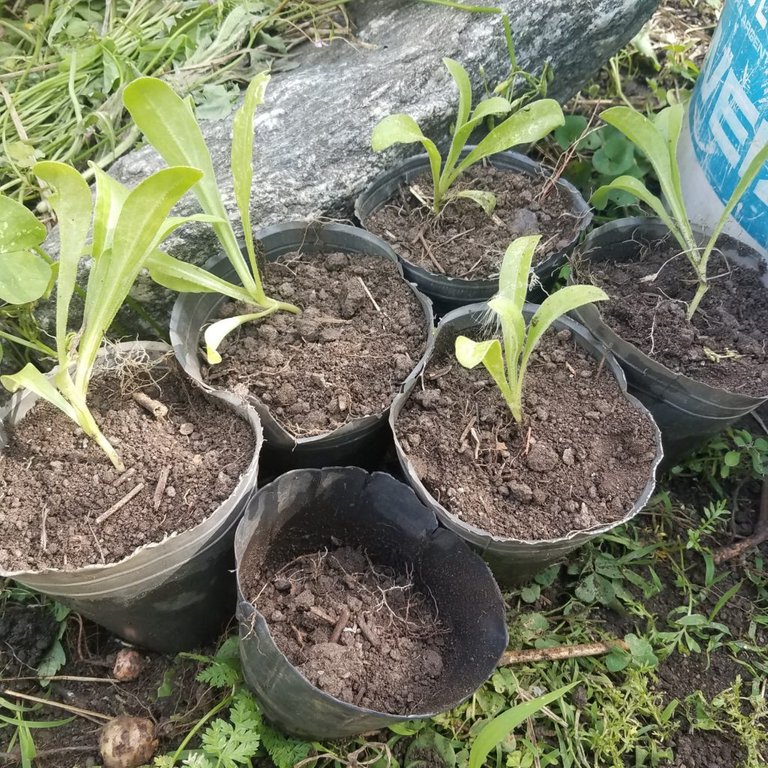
x: 726, y: 343
x: 344, y: 357
x: 581, y: 458
x: 355, y: 629
x: 55, y: 482
x: 464, y: 240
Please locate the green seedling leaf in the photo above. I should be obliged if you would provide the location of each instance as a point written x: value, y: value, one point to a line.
x: 532, y: 123
x: 218, y: 331
x: 177, y: 275
x: 654, y: 139
x: 460, y: 77
x: 19, y: 227
x: 396, y: 129
x: 636, y: 188
x: 486, y: 200
x: 33, y: 380
x: 242, y: 160
x: 141, y: 218
x: 24, y: 276
x: 403, y: 129
x: 557, y: 304
x: 495, y: 105
x: 169, y: 124
x: 71, y: 200
x: 497, y: 729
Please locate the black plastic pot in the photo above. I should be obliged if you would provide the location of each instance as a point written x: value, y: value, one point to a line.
x: 514, y: 561
x: 169, y: 596
x: 688, y: 412
x: 360, y: 441
x: 448, y: 293
x: 300, y: 513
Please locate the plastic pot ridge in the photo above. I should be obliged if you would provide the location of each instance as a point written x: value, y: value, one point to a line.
x: 514, y: 561
x: 166, y: 596
x: 193, y: 311
x: 448, y: 292
x: 687, y: 411
x: 299, y: 513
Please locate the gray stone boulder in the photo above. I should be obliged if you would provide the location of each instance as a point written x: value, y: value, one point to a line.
x: 313, y: 155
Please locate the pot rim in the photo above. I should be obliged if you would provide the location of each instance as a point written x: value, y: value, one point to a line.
x: 523, y: 164
x: 576, y: 536
x: 190, y: 362
x: 591, y: 316
x: 206, y: 532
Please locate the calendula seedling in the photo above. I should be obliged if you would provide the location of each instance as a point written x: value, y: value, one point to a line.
x: 168, y: 122
x: 127, y: 228
x: 658, y: 140
x: 507, y: 360
x: 530, y: 123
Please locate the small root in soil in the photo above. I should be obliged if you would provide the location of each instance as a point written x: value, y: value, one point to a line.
x: 355, y: 629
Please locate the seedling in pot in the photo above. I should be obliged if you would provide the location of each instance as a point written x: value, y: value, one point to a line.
x: 658, y: 139
x: 126, y: 230
x: 524, y: 126
x: 507, y: 360
x: 168, y: 123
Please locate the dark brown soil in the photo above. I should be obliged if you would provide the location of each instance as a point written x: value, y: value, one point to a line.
x: 357, y: 630
x: 55, y: 482
x: 464, y: 241
x: 581, y: 458
x: 166, y: 691
x: 343, y: 357
x: 725, y: 345
x: 26, y: 633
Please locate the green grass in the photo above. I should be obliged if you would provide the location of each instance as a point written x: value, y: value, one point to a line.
x: 64, y: 63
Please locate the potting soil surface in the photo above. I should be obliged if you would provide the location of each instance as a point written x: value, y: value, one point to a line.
x: 360, y: 334
x: 581, y: 458
x: 355, y: 629
x: 464, y: 241
x: 725, y: 344
x: 55, y: 482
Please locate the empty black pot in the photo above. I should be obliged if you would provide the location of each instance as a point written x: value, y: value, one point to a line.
x: 305, y: 511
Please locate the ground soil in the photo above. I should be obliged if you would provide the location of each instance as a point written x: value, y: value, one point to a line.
x: 464, y: 241
x: 581, y: 458
x: 55, y: 482
x: 343, y: 357
x: 166, y: 691
x: 724, y: 345
x: 355, y: 629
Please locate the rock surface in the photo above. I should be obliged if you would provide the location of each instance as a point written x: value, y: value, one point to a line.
x: 313, y: 151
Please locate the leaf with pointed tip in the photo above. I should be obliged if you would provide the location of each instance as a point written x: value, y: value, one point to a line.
x: 636, y: 188
x: 403, y: 129
x: 141, y: 218
x: 496, y: 730
x: 654, y: 140
x: 529, y: 124
x: 169, y: 124
x: 554, y: 306
x: 242, y: 157
x: 218, y: 331
x: 177, y: 275
x: 461, y: 78
x: 35, y: 381
x: 72, y: 203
